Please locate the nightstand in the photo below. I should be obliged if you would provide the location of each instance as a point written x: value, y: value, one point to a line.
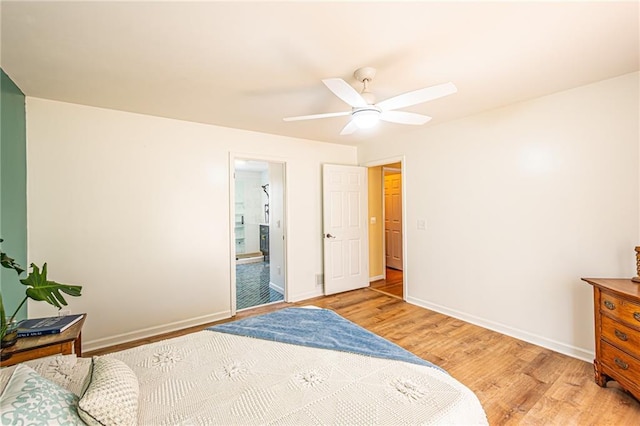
x: 617, y: 329
x: 28, y: 348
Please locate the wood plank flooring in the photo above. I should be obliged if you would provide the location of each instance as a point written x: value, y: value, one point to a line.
x: 517, y: 383
x: 392, y: 284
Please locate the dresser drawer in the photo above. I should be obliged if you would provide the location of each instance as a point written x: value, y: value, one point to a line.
x: 621, y: 336
x: 621, y: 366
x: 622, y: 309
x: 617, y: 320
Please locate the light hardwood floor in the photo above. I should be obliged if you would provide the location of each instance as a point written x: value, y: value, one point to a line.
x: 392, y: 284
x: 517, y: 383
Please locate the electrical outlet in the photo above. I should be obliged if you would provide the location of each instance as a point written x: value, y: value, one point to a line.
x: 64, y: 312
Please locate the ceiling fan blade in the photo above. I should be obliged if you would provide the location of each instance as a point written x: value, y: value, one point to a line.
x: 349, y: 128
x: 314, y: 116
x: 418, y: 96
x: 404, y: 117
x: 344, y: 91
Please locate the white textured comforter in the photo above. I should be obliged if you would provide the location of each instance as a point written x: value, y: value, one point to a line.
x: 216, y: 378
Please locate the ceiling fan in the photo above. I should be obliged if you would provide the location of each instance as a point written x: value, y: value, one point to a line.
x: 365, y: 113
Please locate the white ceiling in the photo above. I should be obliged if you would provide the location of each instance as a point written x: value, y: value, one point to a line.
x: 249, y: 64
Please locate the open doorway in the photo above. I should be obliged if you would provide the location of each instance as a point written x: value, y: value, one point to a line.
x: 258, y: 230
x: 386, y: 240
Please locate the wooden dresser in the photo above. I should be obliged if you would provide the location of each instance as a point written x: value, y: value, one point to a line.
x: 617, y: 327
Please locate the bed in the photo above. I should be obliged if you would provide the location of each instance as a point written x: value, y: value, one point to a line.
x: 293, y: 366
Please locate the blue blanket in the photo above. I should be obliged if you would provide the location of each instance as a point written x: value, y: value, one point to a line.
x: 318, y: 328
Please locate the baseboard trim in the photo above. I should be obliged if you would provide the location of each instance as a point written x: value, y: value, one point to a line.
x: 308, y: 295
x: 563, y: 348
x: 144, y: 333
x: 376, y: 278
x: 245, y: 260
x: 277, y: 288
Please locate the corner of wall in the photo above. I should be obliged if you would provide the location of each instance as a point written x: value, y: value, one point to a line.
x: 13, y: 188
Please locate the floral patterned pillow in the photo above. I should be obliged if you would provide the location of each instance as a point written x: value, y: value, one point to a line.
x: 29, y: 398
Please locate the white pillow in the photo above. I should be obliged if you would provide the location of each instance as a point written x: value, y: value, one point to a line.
x: 29, y: 398
x: 111, y: 398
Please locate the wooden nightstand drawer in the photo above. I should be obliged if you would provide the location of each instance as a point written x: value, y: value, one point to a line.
x: 620, y: 308
x: 621, y: 336
x: 621, y: 366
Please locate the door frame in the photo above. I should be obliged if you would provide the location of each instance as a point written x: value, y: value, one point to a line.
x: 233, y: 156
x: 405, y: 269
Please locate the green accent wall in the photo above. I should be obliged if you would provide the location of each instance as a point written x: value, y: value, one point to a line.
x: 13, y: 190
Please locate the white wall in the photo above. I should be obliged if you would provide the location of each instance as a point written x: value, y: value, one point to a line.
x: 520, y: 203
x: 136, y: 210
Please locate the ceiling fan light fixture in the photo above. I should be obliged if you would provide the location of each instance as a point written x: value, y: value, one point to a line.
x: 366, y: 118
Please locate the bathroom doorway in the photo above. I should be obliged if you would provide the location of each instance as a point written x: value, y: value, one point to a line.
x: 258, y: 233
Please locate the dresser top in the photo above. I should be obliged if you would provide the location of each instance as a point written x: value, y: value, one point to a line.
x: 619, y: 285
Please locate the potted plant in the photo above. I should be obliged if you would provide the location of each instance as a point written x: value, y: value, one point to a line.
x: 38, y: 288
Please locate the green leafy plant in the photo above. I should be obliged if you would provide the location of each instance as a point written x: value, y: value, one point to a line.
x: 38, y: 288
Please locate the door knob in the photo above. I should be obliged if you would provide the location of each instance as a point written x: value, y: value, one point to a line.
x: 329, y: 236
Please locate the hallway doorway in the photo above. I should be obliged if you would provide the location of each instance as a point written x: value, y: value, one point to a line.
x: 386, y: 227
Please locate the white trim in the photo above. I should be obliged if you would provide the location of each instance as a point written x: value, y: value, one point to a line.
x: 384, y: 218
x: 144, y: 333
x: 554, y: 345
x: 385, y: 161
x: 277, y: 288
x: 391, y: 169
x: 376, y: 278
x: 232, y: 233
x: 245, y: 260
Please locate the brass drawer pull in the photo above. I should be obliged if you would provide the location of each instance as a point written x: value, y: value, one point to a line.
x: 620, y: 335
x: 620, y: 363
x: 609, y: 305
x: 636, y: 315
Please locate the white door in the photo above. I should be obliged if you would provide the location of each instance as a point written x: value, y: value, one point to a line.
x: 393, y: 219
x: 346, y: 258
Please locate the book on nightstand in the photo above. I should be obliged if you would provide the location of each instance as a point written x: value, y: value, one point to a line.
x: 49, y: 325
